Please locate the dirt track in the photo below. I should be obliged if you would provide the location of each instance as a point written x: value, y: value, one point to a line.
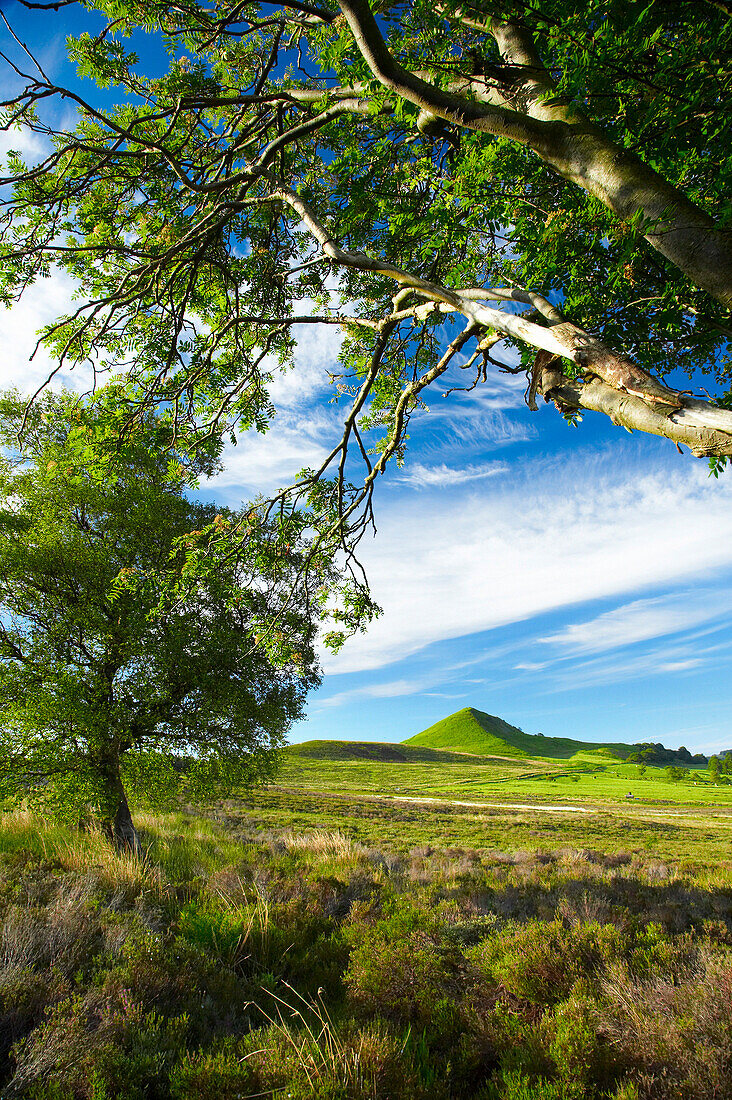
x: 555, y: 808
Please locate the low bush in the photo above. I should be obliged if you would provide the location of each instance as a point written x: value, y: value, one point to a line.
x: 403, y: 968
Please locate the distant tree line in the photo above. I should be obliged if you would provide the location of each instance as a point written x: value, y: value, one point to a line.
x: 649, y: 753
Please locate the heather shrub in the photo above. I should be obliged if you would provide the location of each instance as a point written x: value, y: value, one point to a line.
x: 173, y: 977
x: 318, y: 968
x: 93, y: 1047
x: 403, y: 969
x: 24, y: 997
x: 268, y: 944
x: 515, y: 1085
x: 652, y: 951
x: 675, y: 1030
x: 313, y: 955
x: 222, y: 1073
x: 540, y: 961
x: 517, y: 1039
x: 573, y: 1043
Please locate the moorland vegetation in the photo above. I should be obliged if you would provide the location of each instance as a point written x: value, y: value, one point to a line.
x: 553, y: 177
x: 249, y: 956
x: 345, y: 943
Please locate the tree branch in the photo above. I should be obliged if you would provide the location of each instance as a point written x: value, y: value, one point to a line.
x: 452, y: 108
x: 573, y: 145
x: 683, y: 426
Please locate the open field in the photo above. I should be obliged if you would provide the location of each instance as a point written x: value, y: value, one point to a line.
x: 584, y: 780
x: 384, y: 923
x: 668, y: 829
x: 291, y: 944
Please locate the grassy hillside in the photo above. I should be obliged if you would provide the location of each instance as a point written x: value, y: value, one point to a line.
x: 474, y: 731
x: 376, y: 750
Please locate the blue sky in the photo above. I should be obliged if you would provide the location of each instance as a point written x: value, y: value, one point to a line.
x: 575, y: 581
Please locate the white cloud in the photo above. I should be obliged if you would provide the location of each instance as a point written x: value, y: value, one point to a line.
x: 554, y: 537
x: 317, y: 352
x: 23, y: 141
x: 497, y: 393
x: 680, y: 666
x: 670, y: 659
x: 422, y: 476
x: 41, y: 304
x: 700, y: 735
x: 263, y: 463
x: 304, y: 428
x: 391, y: 690
x: 700, y: 650
x: 641, y: 620
x: 446, y: 694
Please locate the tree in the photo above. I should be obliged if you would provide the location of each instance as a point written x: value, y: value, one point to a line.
x: 124, y: 637
x: 714, y: 767
x: 551, y: 176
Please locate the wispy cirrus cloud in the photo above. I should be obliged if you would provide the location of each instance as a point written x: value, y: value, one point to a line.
x: 641, y: 620
x: 389, y: 690
x: 547, y: 538
x: 663, y: 660
x: 441, y: 476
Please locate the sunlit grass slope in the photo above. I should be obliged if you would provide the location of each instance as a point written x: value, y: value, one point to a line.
x: 378, y: 751
x: 473, y: 731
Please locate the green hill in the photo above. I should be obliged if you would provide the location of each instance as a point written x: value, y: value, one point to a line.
x: 473, y: 731
x: 471, y: 736
x: 378, y: 751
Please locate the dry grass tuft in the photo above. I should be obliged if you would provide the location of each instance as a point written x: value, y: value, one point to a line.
x: 327, y: 845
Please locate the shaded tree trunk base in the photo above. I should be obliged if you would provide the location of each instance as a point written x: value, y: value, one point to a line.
x: 120, y: 829
x: 124, y: 835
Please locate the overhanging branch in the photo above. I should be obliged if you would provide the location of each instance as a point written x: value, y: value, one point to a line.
x: 693, y: 426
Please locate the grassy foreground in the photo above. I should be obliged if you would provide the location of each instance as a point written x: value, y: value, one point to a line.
x: 298, y: 945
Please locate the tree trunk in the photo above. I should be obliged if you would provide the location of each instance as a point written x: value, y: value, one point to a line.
x: 116, y: 818
x: 671, y: 224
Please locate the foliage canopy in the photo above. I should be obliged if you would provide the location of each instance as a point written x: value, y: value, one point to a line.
x: 552, y: 175
x: 122, y: 647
